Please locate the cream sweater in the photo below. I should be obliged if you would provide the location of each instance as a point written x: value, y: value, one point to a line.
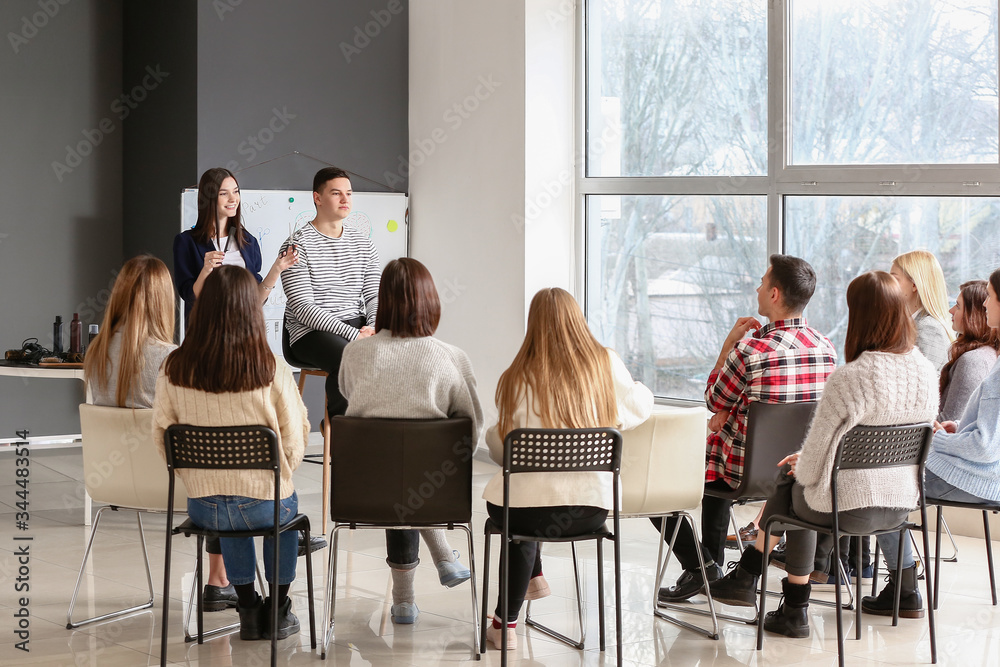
x: 876, y: 389
x: 277, y: 406
x: 591, y: 489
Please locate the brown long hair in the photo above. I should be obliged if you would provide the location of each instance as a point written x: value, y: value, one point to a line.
x: 225, y: 349
x: 141, y: 307
x: 408, y: 303
x: 567, y: 371
x: 207, y: 228
x: 977, y: 333
x: 878, y: 318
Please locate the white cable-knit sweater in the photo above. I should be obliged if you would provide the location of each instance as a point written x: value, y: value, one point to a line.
x: 277, y: 406
x: 876, y: 389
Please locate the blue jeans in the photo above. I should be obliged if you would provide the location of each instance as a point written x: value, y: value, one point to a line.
x: 228, y: 513
x: 934, y: 487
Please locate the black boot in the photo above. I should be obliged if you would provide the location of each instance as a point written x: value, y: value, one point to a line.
x: 288, y: 622
x: 739, y: 587
x: 910, y: 604
x: 791, y: 618
x: 251, y: 620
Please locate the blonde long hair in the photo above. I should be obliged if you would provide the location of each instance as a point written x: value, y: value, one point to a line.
x: 924, y: 270
x: 567, y: 371
x: 141, y: 307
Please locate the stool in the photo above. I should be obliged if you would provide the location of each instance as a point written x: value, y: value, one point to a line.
x: 304, y: 371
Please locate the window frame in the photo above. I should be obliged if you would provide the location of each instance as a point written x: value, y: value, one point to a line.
x: 783, y: 179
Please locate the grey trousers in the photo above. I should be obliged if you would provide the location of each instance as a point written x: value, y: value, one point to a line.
x: 800, y: 545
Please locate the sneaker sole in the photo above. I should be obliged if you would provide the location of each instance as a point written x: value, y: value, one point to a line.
x: 736, y: 603
x: 282, y: 634
x: 455, y: 580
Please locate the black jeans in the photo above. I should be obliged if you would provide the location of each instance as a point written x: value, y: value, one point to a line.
x: 714, y: 528
x: 564, y: 520
x: 324, y: 350
x: 402, y: 549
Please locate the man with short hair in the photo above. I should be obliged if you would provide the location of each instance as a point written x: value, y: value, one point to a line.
x: 784, y: 361
x: 332, y: 292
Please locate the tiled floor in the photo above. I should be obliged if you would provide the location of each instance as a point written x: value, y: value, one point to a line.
x: 968, y: 625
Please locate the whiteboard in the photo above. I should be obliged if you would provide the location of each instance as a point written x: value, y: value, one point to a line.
x: 272, y: 216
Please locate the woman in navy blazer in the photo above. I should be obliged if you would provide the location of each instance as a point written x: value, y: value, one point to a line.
x: 219, y: 238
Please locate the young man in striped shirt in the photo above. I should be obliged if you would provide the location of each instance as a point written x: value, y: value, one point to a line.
x: 332, y: 292
x: 784, y: 361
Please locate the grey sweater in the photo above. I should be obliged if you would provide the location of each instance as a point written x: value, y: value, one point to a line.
x: 967, y: 373
x: 933, y: 339
x: 143, y: 390
x: 409, y: 378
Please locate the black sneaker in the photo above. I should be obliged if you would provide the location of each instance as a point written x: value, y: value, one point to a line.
x: 688, y: 585
x: 315, y: 544
x: 217, y: 598
x: 288, y: 622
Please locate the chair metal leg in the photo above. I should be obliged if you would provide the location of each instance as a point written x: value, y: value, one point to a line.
x: 70, y: 625
x: 618, y: 594
x: 661, y: 572
x: 989, y: 556
x: 486, y: 592
x: 953, y: 558
x: 857, y: 586
x: 736, y: 529
x: 472, y: 582
x: 326, y: 466
x: 838, y: 595
x: 191, y: 604
x: 311, y: 594
x: 600, y: 597
x: 330, y: 599
x: 530, y: 622
x: 931, y: 624
x: 164, y: 624
x: 937, y: 558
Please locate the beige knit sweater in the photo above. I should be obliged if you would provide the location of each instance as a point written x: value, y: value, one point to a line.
x: 277, y: 406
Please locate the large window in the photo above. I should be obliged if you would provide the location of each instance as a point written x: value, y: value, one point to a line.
x: 720, y: 131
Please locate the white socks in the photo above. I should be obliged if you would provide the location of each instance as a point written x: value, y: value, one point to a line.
x: 438, y: 545
x: 402, y: 585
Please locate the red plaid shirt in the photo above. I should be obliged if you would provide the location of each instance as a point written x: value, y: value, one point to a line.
x: 783, y: 362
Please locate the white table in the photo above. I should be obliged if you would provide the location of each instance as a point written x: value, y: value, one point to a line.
x: 37, y: 372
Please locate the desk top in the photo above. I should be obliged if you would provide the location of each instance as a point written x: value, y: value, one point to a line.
x: 37, y: 372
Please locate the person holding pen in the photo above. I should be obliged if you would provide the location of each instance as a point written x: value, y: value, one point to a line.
x: 332, y: 290
x: 218, y: 239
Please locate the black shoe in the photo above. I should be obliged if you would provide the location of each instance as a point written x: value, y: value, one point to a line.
x: 688, y: 584
x: 791, y: 618
x: 252, y: 620
x: 738, y: 588
x: 315, y: 544
x: 217, y: 598
x: 910, y: 604
x: 288, y: 622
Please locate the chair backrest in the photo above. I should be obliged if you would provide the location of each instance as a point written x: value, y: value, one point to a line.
x: 121, y: 463
x: 222, y: 447
x: 774, y: 430
x: 866, y: 447
x: 663, y: 462
x: 530, y: 450
x: 403, y: 472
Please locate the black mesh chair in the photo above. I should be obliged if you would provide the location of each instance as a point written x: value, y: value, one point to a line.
x: 400, y: 474
x: 986, y: 509
x: 305, y: 370
x: 559, y: 450
x: 867, y: 447
x: 227, y: 448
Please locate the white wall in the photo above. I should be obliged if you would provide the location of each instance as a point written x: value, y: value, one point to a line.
x: 467, y: 172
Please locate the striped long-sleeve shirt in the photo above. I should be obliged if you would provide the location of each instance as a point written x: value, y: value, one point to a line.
x: 335, y: 279
x: 782, y: 362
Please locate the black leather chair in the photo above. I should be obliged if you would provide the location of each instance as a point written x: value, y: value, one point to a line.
x: 559, y: 450
x: 986, y: 509
x: 226, y: 448
x: 399, y: 474
x: 867, y: 447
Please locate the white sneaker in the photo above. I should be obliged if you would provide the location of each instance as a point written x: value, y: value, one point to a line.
x: 452, y: 573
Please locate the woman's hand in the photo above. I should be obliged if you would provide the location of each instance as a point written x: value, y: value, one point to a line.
x: 947, y: 427
x: 791, y: 460
x: 213, y: 259
x: 365, y: 332
x: 288, y: 257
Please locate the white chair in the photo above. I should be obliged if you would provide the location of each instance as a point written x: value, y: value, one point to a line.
x: 663, y: 475
x: 122, y: 468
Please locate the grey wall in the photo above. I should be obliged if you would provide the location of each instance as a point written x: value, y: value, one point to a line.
x: 273, y: 77
x: 60, y: 234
